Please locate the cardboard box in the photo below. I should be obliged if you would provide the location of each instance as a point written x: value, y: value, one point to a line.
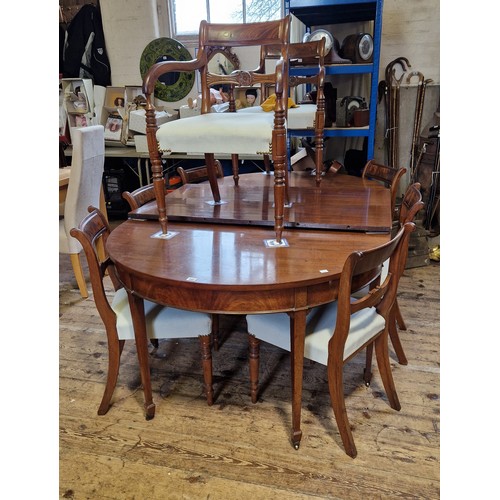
x: 131, y: 92
x: 114, y: 97
x: 185, y: 111
x: 137, y: 118
x: 113, y: 115
x: 78, y: 102
x: 141, y: 143
x: 112, y: 119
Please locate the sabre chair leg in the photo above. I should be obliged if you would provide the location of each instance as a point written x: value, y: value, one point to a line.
x: 384, y: 366
x: 399, y: 316
x: 336, y: 387
x: 253, y: 361
x: 206, y: 359
x: 114, y: 352
x: 396, y: 341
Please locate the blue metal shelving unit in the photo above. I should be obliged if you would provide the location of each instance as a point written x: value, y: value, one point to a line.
x: 324, y: 12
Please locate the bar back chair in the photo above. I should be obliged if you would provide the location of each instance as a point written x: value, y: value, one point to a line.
x: 304, y: 117
x: 84, y: 189
x: 161, y: 322
x: 337, y: 331
x: 198, y: 174
x: 389, y: 176
x: 412, y: 203
x: 140, y: 196
x: 222, y: 133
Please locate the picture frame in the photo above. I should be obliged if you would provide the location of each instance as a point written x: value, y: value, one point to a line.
x: 113, y: 127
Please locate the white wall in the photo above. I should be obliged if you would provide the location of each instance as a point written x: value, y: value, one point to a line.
x: 410, y: 28
x: 129, y: 25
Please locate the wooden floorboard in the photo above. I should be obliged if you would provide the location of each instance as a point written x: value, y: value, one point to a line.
x: 236, y: 450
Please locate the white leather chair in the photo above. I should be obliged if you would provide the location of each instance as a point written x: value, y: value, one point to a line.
x: 161, y: 322
x: 84, y: 189
x: 338, y: 330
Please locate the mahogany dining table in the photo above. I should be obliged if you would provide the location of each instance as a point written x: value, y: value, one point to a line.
x: 228, y: 264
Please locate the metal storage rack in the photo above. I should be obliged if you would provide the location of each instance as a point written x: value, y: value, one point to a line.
x: 324, y: 12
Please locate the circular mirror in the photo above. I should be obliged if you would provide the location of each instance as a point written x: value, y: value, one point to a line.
x: 170, y: 87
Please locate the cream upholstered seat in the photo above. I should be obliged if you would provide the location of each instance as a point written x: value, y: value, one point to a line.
x: 84, y: 189
x: 320, y: 324
x: 161, y: 322
x: 336, y: 331
x: 218, y: 133
x: 210, y: 133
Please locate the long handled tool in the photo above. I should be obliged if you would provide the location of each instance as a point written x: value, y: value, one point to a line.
x: 417, y: 123
x: 391, y: 108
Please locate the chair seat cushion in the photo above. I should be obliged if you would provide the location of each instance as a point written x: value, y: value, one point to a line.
x: 301, y: 117
x: 275, y: 329
x: 218, y: 133
x: 161, y: 322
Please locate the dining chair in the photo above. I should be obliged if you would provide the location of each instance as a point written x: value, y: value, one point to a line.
x: 84, y: 189
x: 389, y: 176
x: 304, y: 117
x: 161, y: 322
x: 139, y: 196
x: 198, y: 174
x: 337, y: 331
x: 210, y: 133
x: 411, y: 204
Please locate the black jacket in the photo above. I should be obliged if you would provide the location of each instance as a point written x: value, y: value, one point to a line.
x: 85, y: 49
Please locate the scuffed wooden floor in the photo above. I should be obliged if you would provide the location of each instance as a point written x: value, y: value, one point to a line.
x: 236, y: 450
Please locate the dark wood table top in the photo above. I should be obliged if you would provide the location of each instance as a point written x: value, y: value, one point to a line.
x: 206, y: 266
x: 341, y: 202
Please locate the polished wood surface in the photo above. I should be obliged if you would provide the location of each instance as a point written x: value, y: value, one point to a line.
x: 220, y: 268
x: 341, y: 202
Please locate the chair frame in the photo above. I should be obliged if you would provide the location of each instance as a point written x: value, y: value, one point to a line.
x: 314, y: 53
x: 390, y: 176
x: 412, y: 203
x: 212, y: 37
x: 92, y: 232
x: 382, y: 298
x: 198, y: 174
x: 140, y: 196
